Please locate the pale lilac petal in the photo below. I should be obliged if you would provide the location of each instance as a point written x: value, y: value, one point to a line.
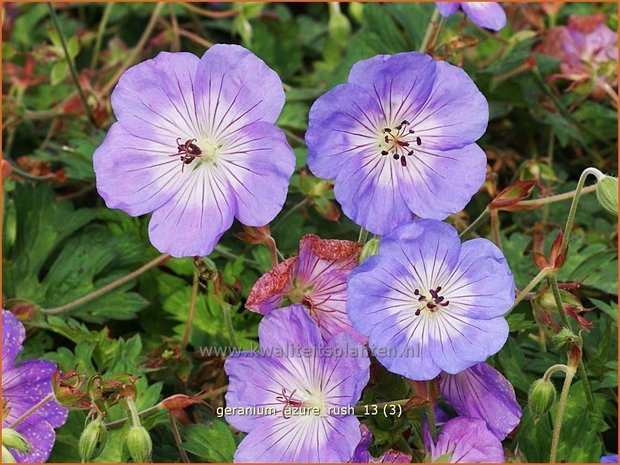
x: 41, y: 437
x: 258, y: 163
x: 289, y: 326
x: 135, y: 174
x: 228, y: 97
x: 342, y: 126
x: 489, y: 15
x: 447, y: 8
x: 194, y: 219
x: 467, y: 440
x: 368, y: 191
x: 153, y: 99
x: 482, y: 392
x: 482, y: 286
x: 13, y: 335
x: 305, y: 440
x: 456, y: 113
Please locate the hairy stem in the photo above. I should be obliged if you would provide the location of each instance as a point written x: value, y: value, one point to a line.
x: 557, y: 426
x: 31, y: 410
x: 72, y: 69
x: 530, y: 286
x: 177, y: 437
x: 431, y: 31
x: 100, y: 31
x: 192, y: 311
x: 107, y: 288
x: 476, y: 224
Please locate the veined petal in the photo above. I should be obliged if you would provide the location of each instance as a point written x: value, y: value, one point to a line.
x: 369, y: 193
x: 483, y: 392
x: 258, y: 164
x: 482, y: 285
x: 301, y: 440
x: 435, y: 184
x: 343, y: 123
x: 41, y: 436
x: 153, y: 99
x: 290, y: 326
x: 467, y: 440
x: 268, y: 292
x: 400, y: 83
x: 13, y: 335
x: 194, y: 219
x: 137, y: 174
x: 489, y: 15
x: 229, y: 96
x: 455, y: 115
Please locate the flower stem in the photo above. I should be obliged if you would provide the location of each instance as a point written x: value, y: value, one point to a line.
x: 557, y: 426
x: 133, y: 55
x: 431, y: 30
x: 133, y: 412
x: 476, y: 224
x: 531, y: 285
x: 229, y: 324
x: 495, y: 228
x: 554, y: 198
x: 31, y: 410
x: 100, y: 31
x: 177, y: 437
x: 553, y: 368
x: 74, y: 73
x: 107, y: 288
x: 430, y: 416
x: 573, y: 208
x: 192, y: 311
x: 583, y: 375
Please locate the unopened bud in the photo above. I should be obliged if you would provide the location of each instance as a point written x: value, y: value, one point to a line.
x: 541, y: 397
x: 14, y: 440
x: 92, y: 440
x: 607, y: 194
x: 139, y: 444
x: 338, y: 26
x: 370, y: 248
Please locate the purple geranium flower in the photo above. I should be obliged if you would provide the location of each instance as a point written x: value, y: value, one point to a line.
x: 362, y: 455
x: 195, y: 143
x: 612, y: 458
x: 398, y: 138
x: 482, y: 392
x: 489, y: 15
x: 298, y: 381
x: 24, y: 385
x: 428, y: 303
x: 317, y: 279
x: 465, y: 440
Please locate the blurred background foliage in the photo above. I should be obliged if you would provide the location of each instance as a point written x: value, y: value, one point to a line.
x: 61, y: 243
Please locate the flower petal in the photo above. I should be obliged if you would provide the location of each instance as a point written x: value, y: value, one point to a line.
x: 369, y: 193
x: 135, y: 174
x: 468, y: 440
x: 153, y: 99
x: 455, y: 114
x: 194, y: 219
x: 13, y: 335
x: 229, y: 96
x: 290, y: 326
x: 482, y: 286
x: 400, y: 83
x: 257, y: 163
x: 489, y: 15
x: 435, y: 184
x: 302, y: 440
x: 343, y: 123
x: 41, y: 437
x: 482, y: 392
x: 447, y: 8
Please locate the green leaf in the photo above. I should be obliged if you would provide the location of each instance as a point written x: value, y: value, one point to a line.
x: 214, y: 442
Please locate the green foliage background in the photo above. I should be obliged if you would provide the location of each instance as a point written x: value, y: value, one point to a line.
x: 61, y: 243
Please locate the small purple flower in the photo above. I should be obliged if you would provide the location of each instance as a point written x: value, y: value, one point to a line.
x: 317, y: 279
x: 489, y: 15
x: 612, y: 458
x: 293, y: 390
x: 428, y: 303
x: 362, y: 455
x: 482, y: 392
x: 399, y: 139
x: 465, y: 440
x: 24, y: 385
x: 196, y: 144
